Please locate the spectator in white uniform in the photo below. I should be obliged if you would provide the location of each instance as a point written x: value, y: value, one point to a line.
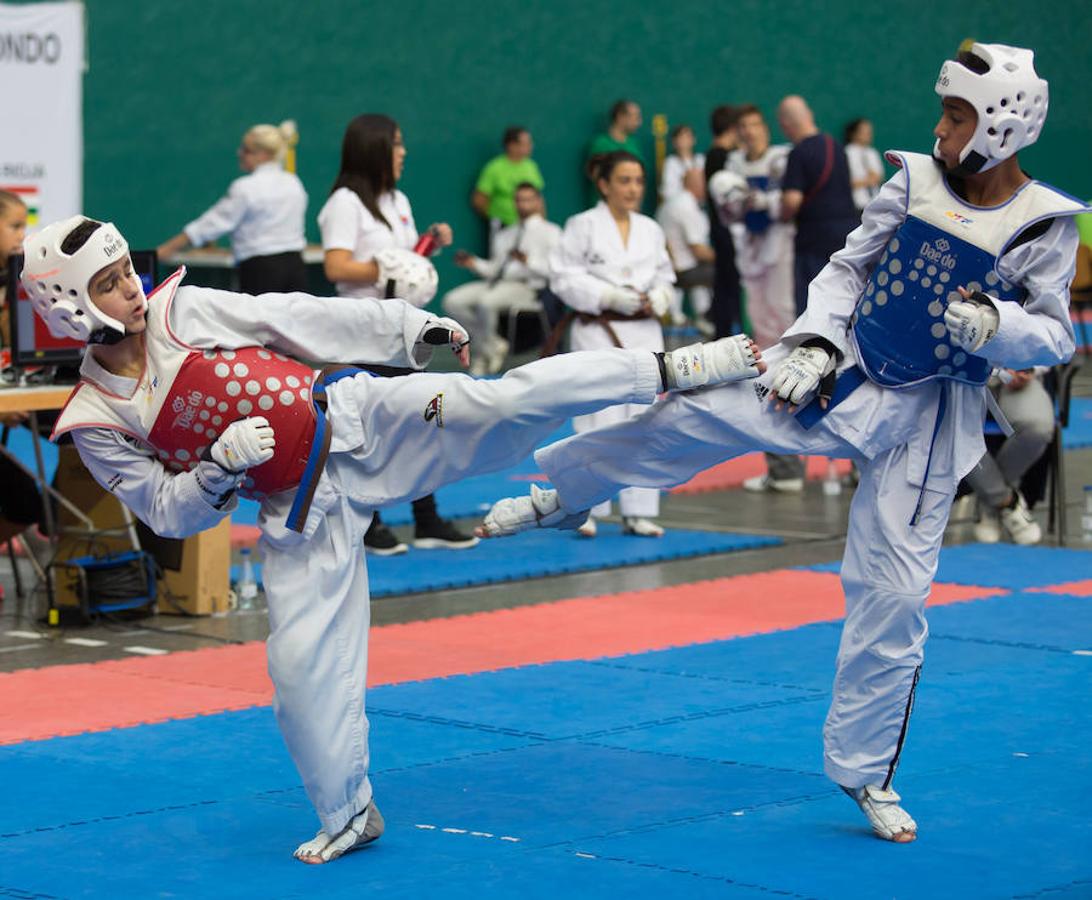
x: 264, y: 213
x: 686, y: 228
x: 680, y: 162
x: 364, y: 214
x: 865, y: 164
x: 517, y: 270
x: 613, y: 272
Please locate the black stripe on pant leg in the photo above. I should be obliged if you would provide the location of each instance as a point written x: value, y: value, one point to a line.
x: 902, y: 734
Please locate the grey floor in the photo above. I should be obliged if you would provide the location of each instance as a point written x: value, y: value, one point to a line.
x: 812, y: 526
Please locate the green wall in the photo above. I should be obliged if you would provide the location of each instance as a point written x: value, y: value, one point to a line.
x: 171, y: 86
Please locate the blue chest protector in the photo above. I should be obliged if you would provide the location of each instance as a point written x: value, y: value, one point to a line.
x: 757, y: 221
x: 898, y: 324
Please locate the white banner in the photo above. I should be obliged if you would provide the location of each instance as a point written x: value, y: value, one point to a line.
x: 41, y: 136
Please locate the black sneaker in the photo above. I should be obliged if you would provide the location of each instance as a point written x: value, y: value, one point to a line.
x: 381, y: 541
x: 440, y: 534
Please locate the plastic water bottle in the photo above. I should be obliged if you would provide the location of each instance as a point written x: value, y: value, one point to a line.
x: 246, y: 589
x: 1086, y: 515
x: 832, y: 482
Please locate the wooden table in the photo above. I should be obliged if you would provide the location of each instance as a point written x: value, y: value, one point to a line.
x: 34, y: 398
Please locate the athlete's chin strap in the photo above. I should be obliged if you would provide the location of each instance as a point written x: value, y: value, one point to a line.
x: 107, y: 336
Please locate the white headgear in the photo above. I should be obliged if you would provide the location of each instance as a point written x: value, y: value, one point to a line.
x: 1009, y: 97
x: 405, y: 274
x: 57, y: 282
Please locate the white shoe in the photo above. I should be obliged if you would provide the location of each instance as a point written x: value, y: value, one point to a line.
x: 1020, y: 524
x: 641, y: 527
x: 497, y: 356
x: 761, y: 484
x: 889, y: 820
x: 540, y: 509
x: 987, y: 530
x: 589, y: 529
x: 364, y: 828
x: 729, y: 359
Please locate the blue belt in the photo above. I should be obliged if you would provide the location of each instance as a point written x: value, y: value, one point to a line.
x: 320, y: 447
x: 848, y: 381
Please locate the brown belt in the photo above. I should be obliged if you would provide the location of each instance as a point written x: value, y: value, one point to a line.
x: 603, y: 318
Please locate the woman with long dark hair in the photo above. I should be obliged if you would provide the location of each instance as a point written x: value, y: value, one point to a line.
x: 364, y: 215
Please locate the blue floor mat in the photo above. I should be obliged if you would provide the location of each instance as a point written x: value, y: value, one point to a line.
x: 1078, y: 434
x: 691, y: 772
x: 1004, y: 565
x: 534, y: 554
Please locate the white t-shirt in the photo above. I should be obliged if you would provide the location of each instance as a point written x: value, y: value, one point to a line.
x: 346, y: 224
x: 675, y: 167
x: 862, y: 161
x: 263, y: 211
x: 684, y: 223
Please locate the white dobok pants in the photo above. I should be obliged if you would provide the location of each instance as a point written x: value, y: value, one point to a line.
x: 771, y: 301
x: 886, y: 572
x: 478, y: 305
x: 318, y: 588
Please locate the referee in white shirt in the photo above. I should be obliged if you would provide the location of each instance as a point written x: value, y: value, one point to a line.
x: 264, y: 213
x: 514, y: 274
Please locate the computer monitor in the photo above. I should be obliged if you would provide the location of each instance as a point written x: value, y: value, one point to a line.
x: 31, y: 342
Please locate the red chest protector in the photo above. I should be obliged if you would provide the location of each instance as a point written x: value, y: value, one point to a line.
x: 187, y: 396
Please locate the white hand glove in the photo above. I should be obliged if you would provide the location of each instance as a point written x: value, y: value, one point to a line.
x: 758, y: 200
x: 799, y: 375
x: 971, y: 323
x: 441, y: 331
x: 622, y: 300
x: 728, y: 191
x: 244, y: 444
x: 660, y: 298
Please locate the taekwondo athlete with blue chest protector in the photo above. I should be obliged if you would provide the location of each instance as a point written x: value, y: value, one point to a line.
x: 962, y: 263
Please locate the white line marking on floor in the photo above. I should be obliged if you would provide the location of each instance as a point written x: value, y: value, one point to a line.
x: 455, y: 830
x: 1075, y: 652
x: 514, y: 840
x: 481, y: 834
x: 32, y: 635
x: 20, y: 647
x: 426, y: 827
x: 85, y: 642
x: 586, y: 855
x: 145, y: 651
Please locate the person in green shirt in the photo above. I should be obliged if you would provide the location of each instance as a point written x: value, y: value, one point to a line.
x: 494, y: 194
x: 625, y: 121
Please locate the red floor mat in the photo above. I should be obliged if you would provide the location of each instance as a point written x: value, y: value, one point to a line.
x: 1070, y: 588
x: 732, y: 474
x: 59, y: 700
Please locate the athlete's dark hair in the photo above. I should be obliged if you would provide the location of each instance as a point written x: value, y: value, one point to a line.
x: 79, y: 236
x: 679, y: 129
x: 526, y: 186
x: 722, y: 119
x: 367, y: 160
x: 851, y: 129
x: 512, y: 134
x: 602, y: 165
x: 618, y: 108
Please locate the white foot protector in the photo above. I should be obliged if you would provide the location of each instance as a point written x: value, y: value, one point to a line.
x: 589, y: 529
x: 364, y: 828
x: 889, y: 820
x: 539, y: 510
x: 641, y: 527
x: 732, y: 358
